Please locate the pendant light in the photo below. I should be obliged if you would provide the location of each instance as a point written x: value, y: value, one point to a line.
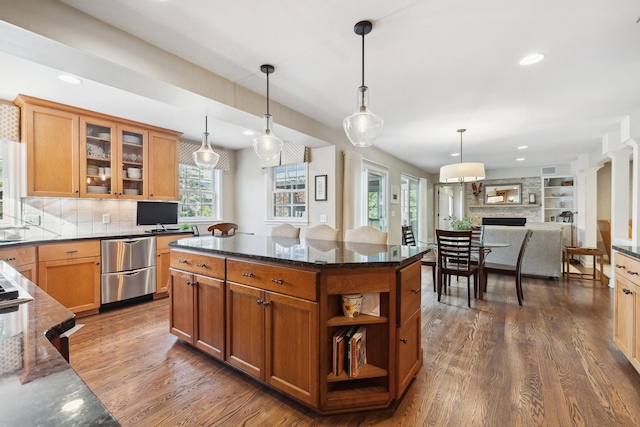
x: 205, y: 157
x: 461, y: 172
x: 363, y: 126
x: 267, y: 145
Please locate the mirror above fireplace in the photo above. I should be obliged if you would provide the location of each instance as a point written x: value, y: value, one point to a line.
x: 503, y: 194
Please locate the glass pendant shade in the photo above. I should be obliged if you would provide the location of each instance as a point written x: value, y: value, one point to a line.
x: 363, y: 126
x: 267, y: 146
x: 205, y: 157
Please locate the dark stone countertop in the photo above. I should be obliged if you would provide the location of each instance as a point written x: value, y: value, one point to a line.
x: 102, y: 236
x: 305, y: 253
x: 37, y: 385
x: 632, y: 251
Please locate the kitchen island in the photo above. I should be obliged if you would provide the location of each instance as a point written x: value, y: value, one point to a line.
x: 270, y: 308
x: 38, y: 387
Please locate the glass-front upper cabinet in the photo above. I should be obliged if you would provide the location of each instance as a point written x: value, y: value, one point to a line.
x: 114, y: 158
x: 97, y: 153
x: 132, y: 169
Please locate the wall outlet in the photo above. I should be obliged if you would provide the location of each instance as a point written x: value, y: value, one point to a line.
x: 323, y: 218
x: 32, y: 219
x: 106, y: 218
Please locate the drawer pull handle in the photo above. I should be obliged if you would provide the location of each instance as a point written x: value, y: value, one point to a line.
x: 278, y: 281
x: 201, y: 265
x: 416, y: 291
x: 632, y: 273
x: 626, y: 291
x: 404, y: 340
x: 619, y: 266
x: 72, y: 251
x: 247, y: 274
x: 10, y: 259
x: 182, y: 261
x: 259, y: 302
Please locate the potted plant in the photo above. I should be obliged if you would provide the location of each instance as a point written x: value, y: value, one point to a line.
x: 466, y: 223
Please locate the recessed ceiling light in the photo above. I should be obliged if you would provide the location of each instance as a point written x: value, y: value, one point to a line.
x: 532, y: 59
x: 523, y: 147
x: 520, y: 159
x: 70, y: 79
x: 455, y: 154
x: 247, y: 132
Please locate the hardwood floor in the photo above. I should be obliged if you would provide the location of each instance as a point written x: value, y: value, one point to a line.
x: 551, y: 362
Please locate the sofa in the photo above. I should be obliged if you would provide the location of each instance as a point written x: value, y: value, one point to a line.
x: 543, y: 256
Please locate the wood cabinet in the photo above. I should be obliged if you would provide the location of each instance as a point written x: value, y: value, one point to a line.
x: 279, y: 320
x: 557, y: 197
x: 273, y: 336
x: 197, y: 313
x: 626, y: 317
x: 23, y: 259
x: 70, y: 273
x: 73, y: 152
x: 163, y: 263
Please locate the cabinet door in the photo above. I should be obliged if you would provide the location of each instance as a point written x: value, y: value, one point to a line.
x: 210, y: 316
x: 623, y: 314
x: 74, y: 283
x: 182, y: 306
x: 245, y: 329
x: 163, y: 262
x: 30, y: 271
x: 98, y: 155
x: 292, y: 346
x: 133, y: 155
x: 52, y: 151
x: 163, y: 166
x: 635, y: 358
x: 409, y: 350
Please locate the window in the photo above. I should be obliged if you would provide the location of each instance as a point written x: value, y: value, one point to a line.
x: 199, y: 193
x: 409, y: 202
x: 374, y: 180
x: 289, y: 192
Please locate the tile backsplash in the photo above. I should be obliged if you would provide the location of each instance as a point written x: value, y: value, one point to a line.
x: 63, y: 217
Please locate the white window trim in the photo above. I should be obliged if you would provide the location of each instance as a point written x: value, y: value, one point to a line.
x: 271, y: 220
x: 368, y: 165
x: 217, y: 190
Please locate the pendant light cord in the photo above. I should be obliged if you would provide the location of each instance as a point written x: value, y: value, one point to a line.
x: 362, y: 58
x: 267, y: 93
x: 461, y: 131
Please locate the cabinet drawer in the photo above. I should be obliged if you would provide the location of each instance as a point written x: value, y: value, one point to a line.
x: 628, y: 267
x: 289, y: 281
x: 71, y: 250
x: 409, y: 294
x: 19, y: 256
x: 205, y: 265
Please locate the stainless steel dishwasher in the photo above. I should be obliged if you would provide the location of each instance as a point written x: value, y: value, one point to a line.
x: 128, y: 268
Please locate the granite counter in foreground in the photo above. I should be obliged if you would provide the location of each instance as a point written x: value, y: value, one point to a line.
x: 37, y: 385
x: 632, y: 251
x: 305, y: 253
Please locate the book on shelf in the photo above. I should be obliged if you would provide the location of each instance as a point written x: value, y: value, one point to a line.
x: 339, y: 344
x: 356, y: 350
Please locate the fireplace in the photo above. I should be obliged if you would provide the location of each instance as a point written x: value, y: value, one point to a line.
x: 504, y: 221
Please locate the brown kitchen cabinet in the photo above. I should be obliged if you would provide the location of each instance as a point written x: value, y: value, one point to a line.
x: 626, y: 311
x: 197, y: 302
x: 70, y: 273
x: 408, y: 345
x: 23, y: 259
x: 163, y: 263
x: 73, y: 152
x: 273, y: 337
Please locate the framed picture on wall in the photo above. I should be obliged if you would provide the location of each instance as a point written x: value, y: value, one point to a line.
x: 395, y: 195
x: 321, y: 188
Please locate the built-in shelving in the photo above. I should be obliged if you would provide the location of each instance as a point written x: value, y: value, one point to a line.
x: 558, y: 197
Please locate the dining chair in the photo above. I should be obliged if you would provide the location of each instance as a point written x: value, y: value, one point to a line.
x: 454, y: 259
x: 510, y: 270
x: 429, y: 259
x: 224, y: 228
x: 322, y: 232
x: 366, y: 234
x: 285, y: 230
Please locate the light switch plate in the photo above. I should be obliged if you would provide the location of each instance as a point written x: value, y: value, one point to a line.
x: 323, y: 218
x: 32, y: 219
x: 106, y: 218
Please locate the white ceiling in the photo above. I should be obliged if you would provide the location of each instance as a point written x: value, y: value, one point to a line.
x: 432, y: 66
